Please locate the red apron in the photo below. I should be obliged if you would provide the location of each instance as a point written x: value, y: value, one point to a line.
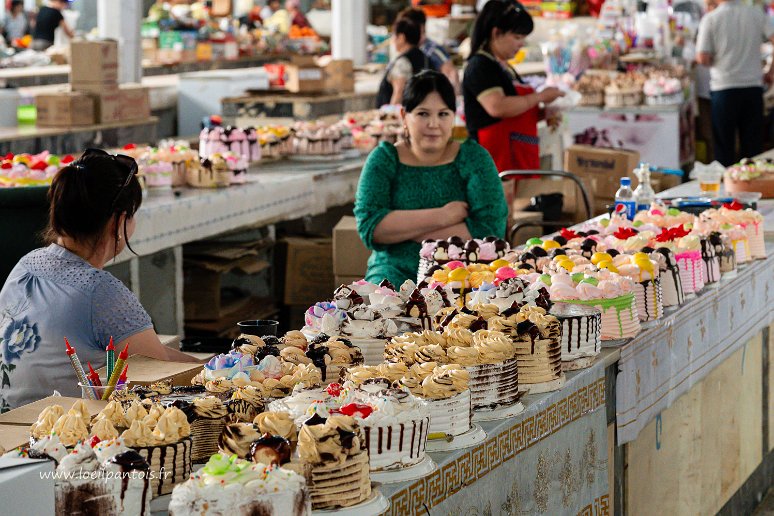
x: 513, y: 142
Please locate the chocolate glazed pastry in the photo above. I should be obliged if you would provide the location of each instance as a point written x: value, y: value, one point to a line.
x: 131, y: 461
x: 317, y: 353
x: 386, y: 284
x: 271, y: 449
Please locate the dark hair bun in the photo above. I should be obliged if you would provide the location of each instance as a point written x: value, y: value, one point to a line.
x: 85, y: 195
x: 423, y: 84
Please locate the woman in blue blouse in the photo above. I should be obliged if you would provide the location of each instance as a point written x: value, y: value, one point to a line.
x: 62, y: 290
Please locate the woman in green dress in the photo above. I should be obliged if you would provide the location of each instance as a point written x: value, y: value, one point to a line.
x: 426, y: 186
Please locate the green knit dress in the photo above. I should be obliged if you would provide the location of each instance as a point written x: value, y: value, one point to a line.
x: 386, y: 184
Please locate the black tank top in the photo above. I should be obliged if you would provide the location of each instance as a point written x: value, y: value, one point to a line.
x: 419, y: 62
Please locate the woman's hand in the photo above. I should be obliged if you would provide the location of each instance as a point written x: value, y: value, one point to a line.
x: 550, y: 94
x: 455, y: 212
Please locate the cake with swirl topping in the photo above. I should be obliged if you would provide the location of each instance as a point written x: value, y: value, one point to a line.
x: 163, y: 438
x: 333, y: 459
x: 368, y: 315
x: 114, y: 480
x: 445, y: 389
x: 228, y: 485
x: 395, y: 423
x: 274, y: 378
x: 488, y: 356
x: 206, y: 417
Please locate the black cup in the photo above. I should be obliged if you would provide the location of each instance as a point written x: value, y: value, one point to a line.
x: 259, y: 327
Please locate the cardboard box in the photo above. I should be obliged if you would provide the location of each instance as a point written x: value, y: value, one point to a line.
x: 346, y: 280
x: 94, y: 61
x: 14, y: 436
x: 340, y: 76
x: 600, y: 170
x: 96, y: 88
x: 203, y: 296
x: 150, y: 47
x: 28, y: 414
x: 134, y: 102
x: 350, y: 255
x: 304, y: 78
x: 65, y: 109
x: 226, y: 326
x: 27, y: 486
x: 107, y: 107
x: 307, y: 269
x: 145, y: 371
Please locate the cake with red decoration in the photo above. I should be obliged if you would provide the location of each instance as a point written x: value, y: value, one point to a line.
x: 395, y: 423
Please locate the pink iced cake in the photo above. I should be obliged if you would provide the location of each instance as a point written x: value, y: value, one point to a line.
x: 612, y: 294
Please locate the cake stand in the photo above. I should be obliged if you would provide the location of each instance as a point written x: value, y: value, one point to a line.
x: 498, y: 413
x: 419, y: 470
x: 374, y: 505
x: 578, y: 363
x: 475, y: 435
x: 540, y: 388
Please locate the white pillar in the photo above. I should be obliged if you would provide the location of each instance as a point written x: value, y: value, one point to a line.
x: 348, y: 35
x: 122, y: 21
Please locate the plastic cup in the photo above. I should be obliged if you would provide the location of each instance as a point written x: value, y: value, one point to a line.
x: 258, y: 327
x: 709, y: 182
x: 99, y: 391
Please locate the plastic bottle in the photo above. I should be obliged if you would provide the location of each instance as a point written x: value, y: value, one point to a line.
x: 624, y: 199
x: 643, y: 194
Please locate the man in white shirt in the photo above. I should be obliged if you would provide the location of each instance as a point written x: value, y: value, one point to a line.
x: 729, y: 42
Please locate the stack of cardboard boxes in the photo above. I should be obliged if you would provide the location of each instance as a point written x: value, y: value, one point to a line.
x: 350, y: 255
x: 94, y: 95
x: 220, y: 282
x: 600, y: 170
x: 308, y: 74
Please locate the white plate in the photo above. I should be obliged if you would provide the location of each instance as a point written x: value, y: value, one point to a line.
x: 472, y: 437
x: 419, y: 470
x: 375, y: 505
x: 540, y: 388
x: 498, y: 413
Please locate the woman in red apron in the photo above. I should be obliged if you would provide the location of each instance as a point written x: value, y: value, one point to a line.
x: 501, y: 111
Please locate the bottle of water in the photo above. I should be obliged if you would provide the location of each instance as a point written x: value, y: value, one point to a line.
x: 643, y: 194
x: 624, y: 199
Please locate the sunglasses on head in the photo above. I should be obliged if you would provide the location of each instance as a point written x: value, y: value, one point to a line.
x: 127, y: 162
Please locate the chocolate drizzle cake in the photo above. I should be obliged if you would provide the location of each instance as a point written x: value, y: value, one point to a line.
x: 581, y: 330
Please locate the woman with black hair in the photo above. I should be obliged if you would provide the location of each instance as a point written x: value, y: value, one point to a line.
x: 501, y: 111
x: 426, y: 186
x: 406, y: 36
x: 62, y: 290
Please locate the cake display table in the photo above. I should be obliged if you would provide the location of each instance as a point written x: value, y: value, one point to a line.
x: 551, y: 458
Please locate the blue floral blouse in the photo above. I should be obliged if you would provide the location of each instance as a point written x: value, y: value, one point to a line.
x: 52, y: 294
